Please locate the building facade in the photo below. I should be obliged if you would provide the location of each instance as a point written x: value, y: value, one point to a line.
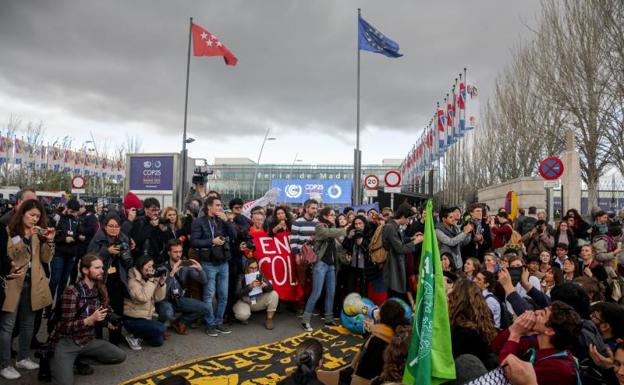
x: 235, y: 177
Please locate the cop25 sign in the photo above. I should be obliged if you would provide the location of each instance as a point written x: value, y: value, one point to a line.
x: 151, y: 173
x: 298, y: 190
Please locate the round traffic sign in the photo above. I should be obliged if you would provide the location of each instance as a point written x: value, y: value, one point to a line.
x: 78, y: 182
x: 392, y: 178
x: 371, y: 182
x: 551, y: 168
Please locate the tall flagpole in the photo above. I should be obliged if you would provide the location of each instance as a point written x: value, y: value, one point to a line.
x: 182, y: 191
x: 357, y: 156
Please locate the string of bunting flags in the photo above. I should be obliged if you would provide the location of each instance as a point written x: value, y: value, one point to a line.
x: 451, y: 120
x: 15, y: 151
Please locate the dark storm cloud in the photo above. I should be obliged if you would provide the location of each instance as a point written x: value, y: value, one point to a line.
x: 125, y: 61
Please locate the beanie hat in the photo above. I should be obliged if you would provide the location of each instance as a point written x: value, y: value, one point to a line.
x: 73, y: 204
x: 132, y: 201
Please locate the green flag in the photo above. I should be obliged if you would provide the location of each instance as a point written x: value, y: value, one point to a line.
x: 430, y: 359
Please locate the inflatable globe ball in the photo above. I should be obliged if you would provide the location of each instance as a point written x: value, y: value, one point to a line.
x: 355, y: 323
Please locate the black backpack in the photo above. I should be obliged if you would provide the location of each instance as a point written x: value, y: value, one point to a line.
x: 506, y: 317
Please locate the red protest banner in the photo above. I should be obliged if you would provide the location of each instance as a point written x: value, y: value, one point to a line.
x: 277, y: 264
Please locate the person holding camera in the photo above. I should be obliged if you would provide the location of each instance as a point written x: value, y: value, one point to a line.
x: 114, y: 248
x: 170, y: 224
x: 480, y: 237
x: 146, y: 286
x: 255, y: 293
x: 67, y: 244
x: 147, y: 233
x: 451, y: 237
x: 211, y: 236
x: 84, y: 307
x: 538, y: 239
x: 181, y: 272
x: 30, y: 246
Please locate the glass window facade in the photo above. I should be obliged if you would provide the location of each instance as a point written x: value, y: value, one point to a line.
x: 237, y: 180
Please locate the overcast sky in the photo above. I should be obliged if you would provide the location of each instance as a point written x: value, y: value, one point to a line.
x: 117, y: 68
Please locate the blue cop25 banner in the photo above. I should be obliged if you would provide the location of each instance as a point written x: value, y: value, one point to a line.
x: 298, y: 190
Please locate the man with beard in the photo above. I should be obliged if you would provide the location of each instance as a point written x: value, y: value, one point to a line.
x: 83, y: 306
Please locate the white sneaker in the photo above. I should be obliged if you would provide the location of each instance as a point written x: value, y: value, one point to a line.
x: 133, y: 343
x: 307, y: 327
x: 27, y: 364
x: 10, y: 373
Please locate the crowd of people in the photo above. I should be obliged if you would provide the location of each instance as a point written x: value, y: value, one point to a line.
x: 519, y: 289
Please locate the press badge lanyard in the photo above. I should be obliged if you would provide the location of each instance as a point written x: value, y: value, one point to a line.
x: 212, y: 227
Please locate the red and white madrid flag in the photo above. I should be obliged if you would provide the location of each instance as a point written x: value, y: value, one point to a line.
x: 207, y: 44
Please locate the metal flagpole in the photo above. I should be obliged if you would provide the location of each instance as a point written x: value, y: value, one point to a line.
x: 357, y: 155
x: 182, y: 191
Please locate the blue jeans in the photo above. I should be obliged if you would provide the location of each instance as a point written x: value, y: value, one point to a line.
x: 152, y: 332
x: 60, y: 268
x: 26, y: 327
x: 322, y: 275
x: 190, y: 308
x: 217, y: 281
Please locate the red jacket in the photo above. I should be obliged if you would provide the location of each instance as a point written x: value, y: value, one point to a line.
x: 501, y: 235
x: 549, y: 370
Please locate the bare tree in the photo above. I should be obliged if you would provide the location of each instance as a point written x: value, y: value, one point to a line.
x: 134, y: 144
x: 574, y: 75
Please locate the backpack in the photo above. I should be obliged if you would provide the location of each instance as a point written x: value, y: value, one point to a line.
x: 506, y: 317
x: 57, y: 314
x: 377, y: 252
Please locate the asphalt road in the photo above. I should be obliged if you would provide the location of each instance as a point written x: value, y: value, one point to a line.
x: 179, y: 348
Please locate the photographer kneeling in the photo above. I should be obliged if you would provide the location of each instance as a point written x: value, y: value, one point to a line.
x: 146, y: 286
x: 181, y: 272
x: 263, y: 297
x: 84, y: 306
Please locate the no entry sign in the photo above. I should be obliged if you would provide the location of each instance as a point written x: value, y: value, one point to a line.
x: 551, y: 168
x: 392, y: 178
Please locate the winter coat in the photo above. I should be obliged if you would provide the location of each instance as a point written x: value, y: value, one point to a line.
x: 67, y: 226
x: 40, y: 287
x: 323, y: 235
x: 143, y: 295
x: 99, y: 245
x: 395, y: 268
x: 450, y: 240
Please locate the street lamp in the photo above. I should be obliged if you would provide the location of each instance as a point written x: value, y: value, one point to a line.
x: 190, y: 140
x: 293, y: 163
x: 253, y: 187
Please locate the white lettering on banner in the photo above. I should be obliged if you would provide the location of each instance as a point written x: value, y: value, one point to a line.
x: 151, y: 172
x: 284, y: 266
x: 265, y: 243
x: 282, y: 246
x: 276, y: 263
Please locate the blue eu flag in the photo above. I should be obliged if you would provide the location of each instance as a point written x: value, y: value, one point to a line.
x: 370, y: 39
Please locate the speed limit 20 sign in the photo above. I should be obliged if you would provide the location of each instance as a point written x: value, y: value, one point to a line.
x: 371, y: 182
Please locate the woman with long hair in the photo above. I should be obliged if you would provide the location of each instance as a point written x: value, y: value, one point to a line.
x: 395, y: 356
x: 329, y: 252
x: 592, y: 268
x: 356, y: 248
x: 173, y: 228
x: 581, y: 229
x: 472, y: 326
x: 281, y: 221
x: 472, y: 266
x: 565, y: 235
x: 308, y: 358
x: 30, y: 245
x: 113, y: 247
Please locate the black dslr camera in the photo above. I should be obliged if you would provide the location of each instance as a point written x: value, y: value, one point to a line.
x: 124, y: 253
x: 250, y: 245
x: 111, y: 317
x: 160, y: 271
